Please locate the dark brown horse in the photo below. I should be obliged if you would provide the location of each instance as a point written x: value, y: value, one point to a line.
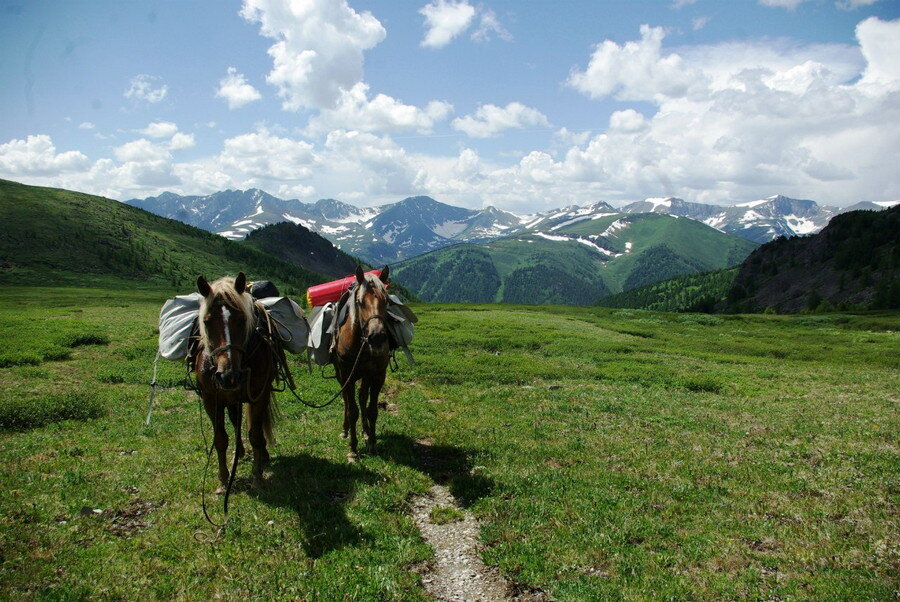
x: 361, y: 353
x: 234, y: 366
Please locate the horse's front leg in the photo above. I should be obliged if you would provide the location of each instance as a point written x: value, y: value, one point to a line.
x: 234, y: 414
x: 351, y: 414
x: 375, y: 383
x: 362, y: 398
x: 216, y: 412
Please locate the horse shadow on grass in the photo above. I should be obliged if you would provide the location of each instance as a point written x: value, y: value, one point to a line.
x: 447, y: 465
x: 317, y: 489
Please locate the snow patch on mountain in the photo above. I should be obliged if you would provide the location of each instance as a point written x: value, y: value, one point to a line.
x: 716, y: 221
x: 614, y: 227
x: 569, y: 222
x: 597, y: 247
x: 658, y: 202
x: 800, y: 225
x: 755, y: 203
x: 750, y: 216
x: 299, y: 220
x: 552, y: 237
x: 449, y: 229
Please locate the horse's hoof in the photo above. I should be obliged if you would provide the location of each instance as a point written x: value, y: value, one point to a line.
x: 352, y: 458
x: 220, y: 490
x: 343, y: 434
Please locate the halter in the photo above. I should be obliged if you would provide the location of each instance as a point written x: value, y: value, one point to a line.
x: 364, y: 324
x: 224, y: 348
x: 243, y: 375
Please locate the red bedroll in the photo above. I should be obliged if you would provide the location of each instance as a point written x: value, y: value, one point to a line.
x: 332, y: 291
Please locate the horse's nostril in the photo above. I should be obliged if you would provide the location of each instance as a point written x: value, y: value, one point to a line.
x: 227, y: 380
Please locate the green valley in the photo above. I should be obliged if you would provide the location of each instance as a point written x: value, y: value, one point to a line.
x: 576, y: 263
x: 606, y: 453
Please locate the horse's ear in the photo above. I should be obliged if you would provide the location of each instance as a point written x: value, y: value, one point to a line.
x: 203, y: 286
x: 360, y: 276
x: 240, y: 283
x: 384, y: 274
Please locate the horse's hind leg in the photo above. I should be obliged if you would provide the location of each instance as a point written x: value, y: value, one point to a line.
x: 234, y: 414
x: 216, y: 412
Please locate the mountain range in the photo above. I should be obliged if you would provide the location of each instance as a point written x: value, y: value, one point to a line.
x: 416, y: 225
x: 572, y: 258
x: 379, y: 235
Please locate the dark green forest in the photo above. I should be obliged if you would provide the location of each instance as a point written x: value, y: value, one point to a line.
x: 691, y: 292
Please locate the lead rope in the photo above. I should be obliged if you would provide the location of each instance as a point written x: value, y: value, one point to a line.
x: 199, y: 536
x: 152, y: 389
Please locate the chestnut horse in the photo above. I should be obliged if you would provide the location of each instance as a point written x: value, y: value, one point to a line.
x: 234, y: 366
x: 361, y: 352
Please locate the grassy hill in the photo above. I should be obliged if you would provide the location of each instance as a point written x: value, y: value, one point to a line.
x: 572, y: 264
x: 296, y: 244
x: 49, y: 235
x: 607, y: 454
x: 853, y: 262
x: 689, y: 293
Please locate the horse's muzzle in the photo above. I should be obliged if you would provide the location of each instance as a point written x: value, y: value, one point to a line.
x: 377, y: 339
x: 231, y: 380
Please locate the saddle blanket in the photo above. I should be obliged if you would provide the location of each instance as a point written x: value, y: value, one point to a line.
x: 323, y: 323
x: 178, y: 322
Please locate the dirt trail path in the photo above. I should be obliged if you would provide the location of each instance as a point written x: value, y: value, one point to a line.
x: 458, y: 573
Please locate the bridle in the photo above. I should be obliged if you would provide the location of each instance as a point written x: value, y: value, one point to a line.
x: 243, y: 375
x: 364, y: 324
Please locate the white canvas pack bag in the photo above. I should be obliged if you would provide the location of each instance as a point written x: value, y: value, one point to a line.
x: 289, y: 322
x: 176, y: 322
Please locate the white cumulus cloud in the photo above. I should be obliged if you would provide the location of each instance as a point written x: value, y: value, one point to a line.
x: 635, y: 71
x: 37, y: 156
x: 147, y: 88
x: 445, y: 20
x: 699, y: 23
x: 235, y: 90
x: 356, y: 111
x: 854, y: 4
x: 318, y: 49
x: 628, y: 121
x: 159, y: 129
x: 489, y: 120
x: 181, y: 141
x: 788, y: 4
x: 880, y: 45
x: 488, y: 26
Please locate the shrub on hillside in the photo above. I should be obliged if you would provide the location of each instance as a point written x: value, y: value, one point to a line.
x: 19, y: 413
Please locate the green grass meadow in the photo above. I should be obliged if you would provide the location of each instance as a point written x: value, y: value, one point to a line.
x: 609, y: 454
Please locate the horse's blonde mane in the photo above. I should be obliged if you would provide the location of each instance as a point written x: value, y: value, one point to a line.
x: 359, y: 292
x: 243, y: 302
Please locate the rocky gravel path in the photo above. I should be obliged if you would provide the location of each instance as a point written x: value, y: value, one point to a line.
x: 457, y: 573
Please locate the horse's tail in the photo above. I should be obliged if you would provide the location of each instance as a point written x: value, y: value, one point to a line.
x: 267, y: 416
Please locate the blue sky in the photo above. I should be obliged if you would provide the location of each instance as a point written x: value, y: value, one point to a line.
x: 525, y: 105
